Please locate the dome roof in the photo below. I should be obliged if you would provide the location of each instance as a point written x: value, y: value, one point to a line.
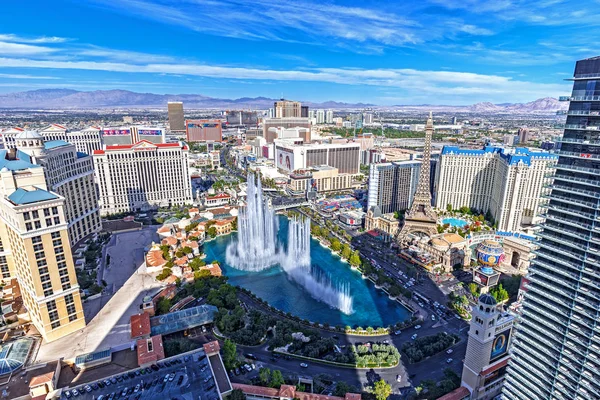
x: 29, y: 135
x: 490, y: 253
x: 487, y: 299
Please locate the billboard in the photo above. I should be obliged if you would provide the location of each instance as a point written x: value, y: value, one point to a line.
x: 480, y: 278
x: 500, y: 345
x: 150, y: 132
x: 285, y: 160
x: 115, y: 132
x: 494, y: 375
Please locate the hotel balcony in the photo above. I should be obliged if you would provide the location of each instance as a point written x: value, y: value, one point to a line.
x: 583, y: 156
x: 528, y: 386
x: 582, y: 112
x: 561, y: 230
x: 547, y: 321
x: 574, y: 179
x: 564, y: 210
x: 573, y: 168
x: 524, y: 372
x: 582, y: 127
x: 566, y: 189
x: 558, y: 300
x: 559, y: 250
x: 564, y: 98
x: 574, y: 200
x: 584, y: 98
x: 579, y: 141
x: 553, y: 268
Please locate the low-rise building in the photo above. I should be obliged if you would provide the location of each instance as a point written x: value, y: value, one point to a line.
x: 385, y: 223
x: 216, y: 200
x: 319, y: 178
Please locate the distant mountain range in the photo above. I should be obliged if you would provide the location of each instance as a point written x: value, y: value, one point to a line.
x: 73, y: 99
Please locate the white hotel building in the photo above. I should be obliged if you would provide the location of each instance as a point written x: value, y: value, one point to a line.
x: 507, y: 183
x: 141, y: 176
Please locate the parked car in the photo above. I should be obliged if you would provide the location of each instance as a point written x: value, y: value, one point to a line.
x: 398, y: 378
x: 75, y: 392
x: 417, y: 327
x: 413, y: 337
x: 304, y: 365
x: 68, y: 394
x: 448, y: 361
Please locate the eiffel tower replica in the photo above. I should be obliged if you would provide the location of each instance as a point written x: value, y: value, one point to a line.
x: 421, y: 219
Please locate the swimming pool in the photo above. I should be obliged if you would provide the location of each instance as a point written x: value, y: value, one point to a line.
x: 457, y: 222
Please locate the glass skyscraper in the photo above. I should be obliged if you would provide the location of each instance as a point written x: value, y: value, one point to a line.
x: 556, y: 351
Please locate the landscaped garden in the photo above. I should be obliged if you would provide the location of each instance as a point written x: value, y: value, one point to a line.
x: 464, y: 221
x: 427, y: 346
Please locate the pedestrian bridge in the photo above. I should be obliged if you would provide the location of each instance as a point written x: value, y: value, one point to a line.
x: 290, y: 205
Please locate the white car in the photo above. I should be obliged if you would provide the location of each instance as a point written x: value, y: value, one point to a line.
x: 413, y: 337
x: 304, y: 365
x: 398, y: 378
x: 449, y: 351
x: 449, y: 361
x: 417, y: 327
x: 432, y: 317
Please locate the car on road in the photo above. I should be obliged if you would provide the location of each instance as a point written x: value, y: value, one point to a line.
x: 449, y: 351
x: 250, y: 356
x: 433, y: 317
x: 180, y: 380
x: 397, y: 332
x: 398, y: 378
x: 449, y: 361
x: 137, y: 388
x: 413, y: 337
x: 304, y: 365
x: 171, y: 377
x: 417, y: 327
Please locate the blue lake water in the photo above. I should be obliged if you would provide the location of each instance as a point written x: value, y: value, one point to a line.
x: 371, y: 306
x: 457, y: 222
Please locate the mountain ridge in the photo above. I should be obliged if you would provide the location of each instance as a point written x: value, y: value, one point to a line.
x: 117, y: 98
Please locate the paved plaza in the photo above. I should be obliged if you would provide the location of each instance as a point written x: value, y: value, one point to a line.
x: 128, y: 283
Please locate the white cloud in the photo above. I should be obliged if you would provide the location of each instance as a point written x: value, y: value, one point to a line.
x: 18, y: 49
x: 412, y: 81
x: 42, y: 39
x: 320, y: 23
x: 22, y: 76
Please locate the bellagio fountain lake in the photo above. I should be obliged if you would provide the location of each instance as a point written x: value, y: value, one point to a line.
x: 275, y: 258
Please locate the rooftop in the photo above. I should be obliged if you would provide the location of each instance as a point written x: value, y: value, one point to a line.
x: 22, y: 196
x: 52, y: 144
x: 140, y: 325
x: 511, y: 156
x: 13, y: 355
x: 181, y: 320
x: 150, y: 350
x: 22, y: 162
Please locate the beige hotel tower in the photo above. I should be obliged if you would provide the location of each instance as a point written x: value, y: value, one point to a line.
x: 34, y: 242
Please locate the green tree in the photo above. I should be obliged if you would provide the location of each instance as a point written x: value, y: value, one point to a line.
x: 265, y: 376
x: 237, y: 394
x: 449, y: 207
x: 229, y: 354
x: 474, y: 289
x: 202, y: 274
x: 382, y: 390
x: 166, y: 272
x: 163, y: 305
x: 336, y: 245
x: 355, y: 259
x: 499, y: 293
x: 276, y: 379
x: 212, y: 232
x: 346, y: 251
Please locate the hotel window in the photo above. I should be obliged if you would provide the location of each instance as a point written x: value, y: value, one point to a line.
x: 28, y: 226
x: 37, y: 224
x: 26, y: 216
x: 35, y: 214
x: 55, y: 235
x: 46, y: 212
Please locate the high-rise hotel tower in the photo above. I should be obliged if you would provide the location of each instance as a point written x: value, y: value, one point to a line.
x: 34, y: 242
x: 556, y: 352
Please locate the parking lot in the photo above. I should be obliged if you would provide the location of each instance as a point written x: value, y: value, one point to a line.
x: 186, y: 377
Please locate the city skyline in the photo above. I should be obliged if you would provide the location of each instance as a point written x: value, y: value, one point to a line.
x: 437, y: 52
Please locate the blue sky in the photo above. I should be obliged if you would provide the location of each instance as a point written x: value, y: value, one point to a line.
x: 381, y: 52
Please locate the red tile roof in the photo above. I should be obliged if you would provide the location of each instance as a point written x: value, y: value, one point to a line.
x: 140, y: 325
x: 150, y: 350
x: 41, y: 379
x: 288, y: 391
x: 211, y: 347
x: 495, y: 367
x: 218, y: 196
x: 155, y: 258
x: 457, y: 394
